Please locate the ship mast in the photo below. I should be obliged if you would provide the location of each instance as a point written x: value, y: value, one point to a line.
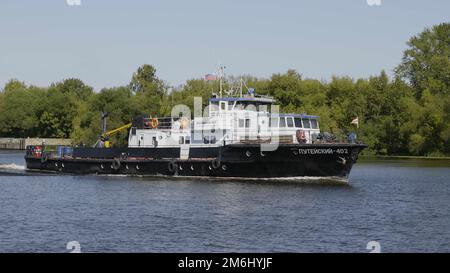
x: 221, y: 75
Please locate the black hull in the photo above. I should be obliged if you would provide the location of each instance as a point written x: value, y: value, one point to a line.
x: 245, y: 161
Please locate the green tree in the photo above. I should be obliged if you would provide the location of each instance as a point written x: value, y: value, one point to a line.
x: 145, y: 80
x: 426, y: 63
x: 57, y: 113
x: 75, y: 87
x: 19, y: 110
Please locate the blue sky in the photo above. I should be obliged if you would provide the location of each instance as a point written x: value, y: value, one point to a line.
x: 103, y: 42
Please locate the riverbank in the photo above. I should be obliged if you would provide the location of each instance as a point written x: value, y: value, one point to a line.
x: 22, y: 143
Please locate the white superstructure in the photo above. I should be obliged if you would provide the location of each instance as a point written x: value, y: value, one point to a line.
x: 230, y: 120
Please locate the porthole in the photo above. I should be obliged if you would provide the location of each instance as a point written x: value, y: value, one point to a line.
x: 192, y: 167
x: 224, y: 167
x: 248, y: 153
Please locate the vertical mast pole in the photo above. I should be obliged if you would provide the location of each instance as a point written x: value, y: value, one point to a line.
x: 242, y: 81
x: 221, y: 80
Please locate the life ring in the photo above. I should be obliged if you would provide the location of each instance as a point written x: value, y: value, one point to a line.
x: 154, y: 123
x: 116, y: 164
x: 172, y: 167
x: 215, y: 163
x: 301, y: 138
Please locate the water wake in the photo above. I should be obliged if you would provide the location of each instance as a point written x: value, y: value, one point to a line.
x: 13, y: 167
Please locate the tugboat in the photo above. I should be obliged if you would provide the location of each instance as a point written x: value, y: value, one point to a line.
x: 242, y: 136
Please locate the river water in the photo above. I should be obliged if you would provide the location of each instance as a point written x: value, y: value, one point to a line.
x: 403, y: 205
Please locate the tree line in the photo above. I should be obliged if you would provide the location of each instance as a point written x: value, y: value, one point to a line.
x: 408, y: 114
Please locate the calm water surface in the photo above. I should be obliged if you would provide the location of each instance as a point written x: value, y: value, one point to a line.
x: 402, y: 204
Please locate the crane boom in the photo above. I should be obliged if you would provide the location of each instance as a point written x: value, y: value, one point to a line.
x: 107, y: 135
x: 103, y: 140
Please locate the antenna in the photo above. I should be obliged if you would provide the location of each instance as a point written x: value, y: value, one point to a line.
x: 242, y: 82
x: 221, y: 76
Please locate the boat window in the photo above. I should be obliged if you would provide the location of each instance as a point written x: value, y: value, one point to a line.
x: 223, y: 105
x: 187, y: 140
x: 263, y: 108
x: 314, y: 124
x: 306, y: 123
x: 241, y: 123
x: 247, y: 123
x: 181, y: 140
x: 206, y: 140
x: 212, y: 139
x: 273, y: 122
x: 214, y: 106
x: 290, y: 122
x: 282, y: 122
x: 251, y: 107
x: 298, y: 122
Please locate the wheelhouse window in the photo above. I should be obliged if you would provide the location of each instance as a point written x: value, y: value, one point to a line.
x: 214, y: 106
x: 282, y: 122
x: 181, y: 140
x: 242, y: 123
x: 314, y: 124
x: 247, y: 123
x: 290, y: 122
x: 306, y: 123
x: 298, y: 122
x: 209, y: 139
